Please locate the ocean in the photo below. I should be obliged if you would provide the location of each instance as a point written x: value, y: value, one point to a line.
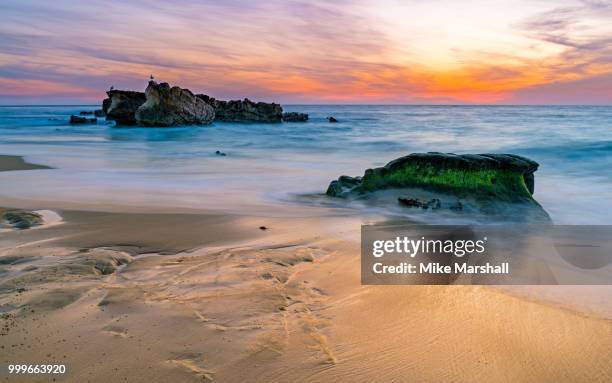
x: 290, y: 165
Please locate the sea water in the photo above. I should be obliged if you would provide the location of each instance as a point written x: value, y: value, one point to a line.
x: 291, y: 164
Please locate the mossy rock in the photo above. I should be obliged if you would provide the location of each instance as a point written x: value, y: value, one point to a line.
x: 504, y: 177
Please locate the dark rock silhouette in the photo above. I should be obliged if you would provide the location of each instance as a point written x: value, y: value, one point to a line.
x: 82, y: 120
x: 244, y: 110
x: 106, y: 104
x: 295, y: 117
x: 97, y: 112
x: 123, y: 105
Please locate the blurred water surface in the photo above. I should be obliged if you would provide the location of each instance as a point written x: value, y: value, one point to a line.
x: 270, y: 164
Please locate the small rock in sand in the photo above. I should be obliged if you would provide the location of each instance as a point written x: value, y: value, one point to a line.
x: 22, y: 219
x: 106, y: 261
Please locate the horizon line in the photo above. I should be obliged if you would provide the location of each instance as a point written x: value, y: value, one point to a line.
x: 328, y: 104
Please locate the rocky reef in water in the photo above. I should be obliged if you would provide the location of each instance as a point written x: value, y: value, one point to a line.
x: 162, y: 105
x: 82, y: 120
x: 244, y: 110
x: 171, y: 106
x: 122, y: 105
x: 295, y: 117
x: 488, y: 180
x: 106, y: 103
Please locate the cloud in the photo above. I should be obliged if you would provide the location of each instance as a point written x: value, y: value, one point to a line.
x: 591, y: 90
x: 287, y: 50
x: 582, y: 32
x: 233, y: 49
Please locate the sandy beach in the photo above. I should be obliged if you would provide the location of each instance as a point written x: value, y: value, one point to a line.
x: 180, y: 297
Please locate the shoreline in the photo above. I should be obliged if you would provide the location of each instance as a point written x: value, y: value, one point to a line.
x: 143, y: 228
x: 186, y: 217
x: 211, y: 296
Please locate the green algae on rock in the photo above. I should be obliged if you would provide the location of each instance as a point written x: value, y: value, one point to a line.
x: 504, y: 177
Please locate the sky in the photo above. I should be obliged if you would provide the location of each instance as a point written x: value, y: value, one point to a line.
x: 296, y: 51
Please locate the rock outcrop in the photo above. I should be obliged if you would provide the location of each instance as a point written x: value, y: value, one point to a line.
x: 343, y: 186
x: 123, y: 105
x: 244, y: 110
x: 105, y: 105
x: 502, y: 177
x: 295, y: 117
x: 21, y: 219
x: 171, y: 106
x: 97, y: 112
x: 82, y: 120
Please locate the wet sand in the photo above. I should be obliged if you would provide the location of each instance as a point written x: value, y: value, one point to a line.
x: 143, y: 297
x: 9, y: 163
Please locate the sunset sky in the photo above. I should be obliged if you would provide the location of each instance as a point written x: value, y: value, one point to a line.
x: 347, y: 51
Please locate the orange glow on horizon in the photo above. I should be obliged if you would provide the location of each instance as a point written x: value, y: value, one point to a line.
x: 354, y: 52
